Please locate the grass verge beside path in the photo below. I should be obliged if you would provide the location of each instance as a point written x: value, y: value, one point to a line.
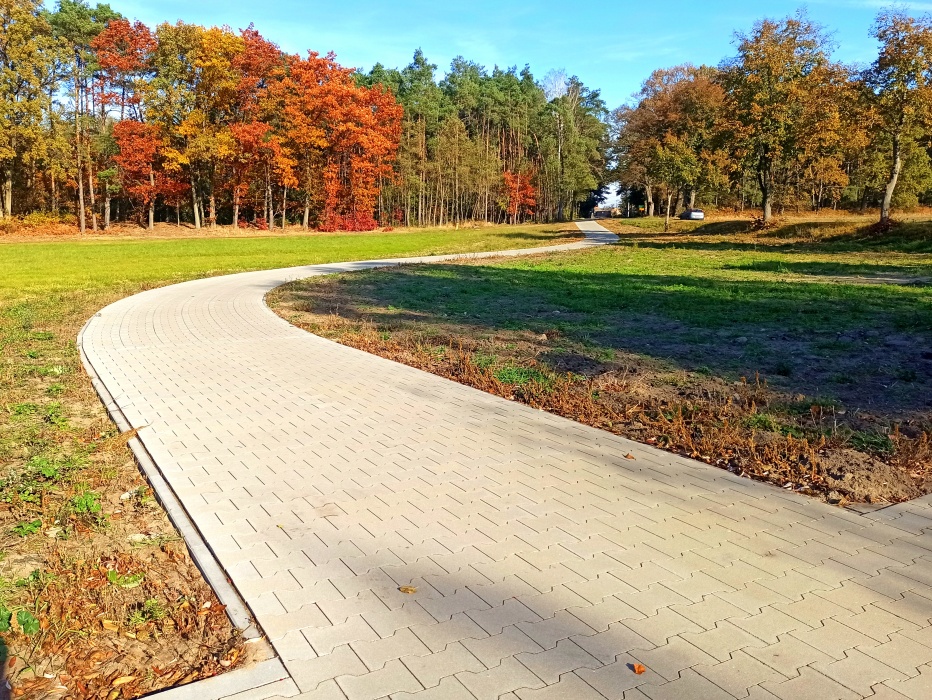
x: 59, y: 266
x: 800, y: 359
x: 98, y: 597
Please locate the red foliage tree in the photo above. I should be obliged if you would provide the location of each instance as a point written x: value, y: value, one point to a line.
x: 124, y: 53
x: 139, y: 146
x: 521, y: 195
x: 343, y: 136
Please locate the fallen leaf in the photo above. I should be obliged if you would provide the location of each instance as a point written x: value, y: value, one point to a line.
x: 638, y: 668
x: 110, y: 625
x: 407, y: 589
x: 122, y: 680
x: 630, y: 456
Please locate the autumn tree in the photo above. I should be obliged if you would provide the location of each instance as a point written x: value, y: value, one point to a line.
x: 138, y: 149
x: 169, y: 101
x: 26, y: 72
x: 833, y: 130
x: 900, y: 82
x: 123, y: 52
x: 767, y: 84
x: 672, y: 136
x: 206, y: 127
x: 676, y: 167
x: 520, y: 195
x: 345, y: 137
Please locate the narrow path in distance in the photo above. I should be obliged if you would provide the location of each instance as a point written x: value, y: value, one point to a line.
x: 545, y: 559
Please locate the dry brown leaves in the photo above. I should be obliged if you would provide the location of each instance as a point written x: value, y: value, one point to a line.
x: 121, y: 626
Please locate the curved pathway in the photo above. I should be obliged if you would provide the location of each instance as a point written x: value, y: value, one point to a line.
x: 548, y: 557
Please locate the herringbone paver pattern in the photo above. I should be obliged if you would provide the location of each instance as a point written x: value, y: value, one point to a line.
x: 546, y: 562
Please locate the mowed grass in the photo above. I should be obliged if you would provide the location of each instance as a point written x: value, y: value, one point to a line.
x: 63, y: 468
x: 99, y: 264
x: 830, y: 327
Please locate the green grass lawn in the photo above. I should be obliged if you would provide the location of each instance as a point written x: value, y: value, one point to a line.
x: 62, y: 266
x: 826, y: 319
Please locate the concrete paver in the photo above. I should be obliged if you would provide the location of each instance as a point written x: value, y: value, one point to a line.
x: 546, y: 562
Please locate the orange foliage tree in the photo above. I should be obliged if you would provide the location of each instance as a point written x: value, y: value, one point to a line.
x: 344, y: 138
x: 521, y: 195
x: 124, y: 54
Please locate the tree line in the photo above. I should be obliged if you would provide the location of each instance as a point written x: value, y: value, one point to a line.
x: 107, y: 118
x: 492, y: 146
x: 104, y: 119
x: 780, y: 125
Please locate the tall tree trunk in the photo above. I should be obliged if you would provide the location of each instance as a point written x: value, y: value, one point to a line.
x: 666, y: 221
x: 90, y: 189
x: 54, y: 193
x: 107, y: 209
x: 895, y: 169
x: 152, y: 201
x: 235, y: 210
x: 764, y: 182
x: 307, y: 212
x: 213, y: 209
x: 284, y: 206
x: 89, y: 109
x: 649, y: 208
x: 268, y: 195
x: 8, y: 191
x: 77, y: 148
x: 197, y: 218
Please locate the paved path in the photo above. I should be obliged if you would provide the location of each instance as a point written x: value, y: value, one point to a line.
x: 548, y: 556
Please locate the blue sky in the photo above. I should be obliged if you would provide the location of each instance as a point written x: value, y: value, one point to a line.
x: 609, y: 45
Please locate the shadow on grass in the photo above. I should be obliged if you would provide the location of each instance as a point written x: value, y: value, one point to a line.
x: 847, y: 341
x: 822, y: 236
x: 570, y: 232
x: 827, y: 269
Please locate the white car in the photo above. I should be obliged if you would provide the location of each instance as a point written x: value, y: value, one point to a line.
x: 693, y: 215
